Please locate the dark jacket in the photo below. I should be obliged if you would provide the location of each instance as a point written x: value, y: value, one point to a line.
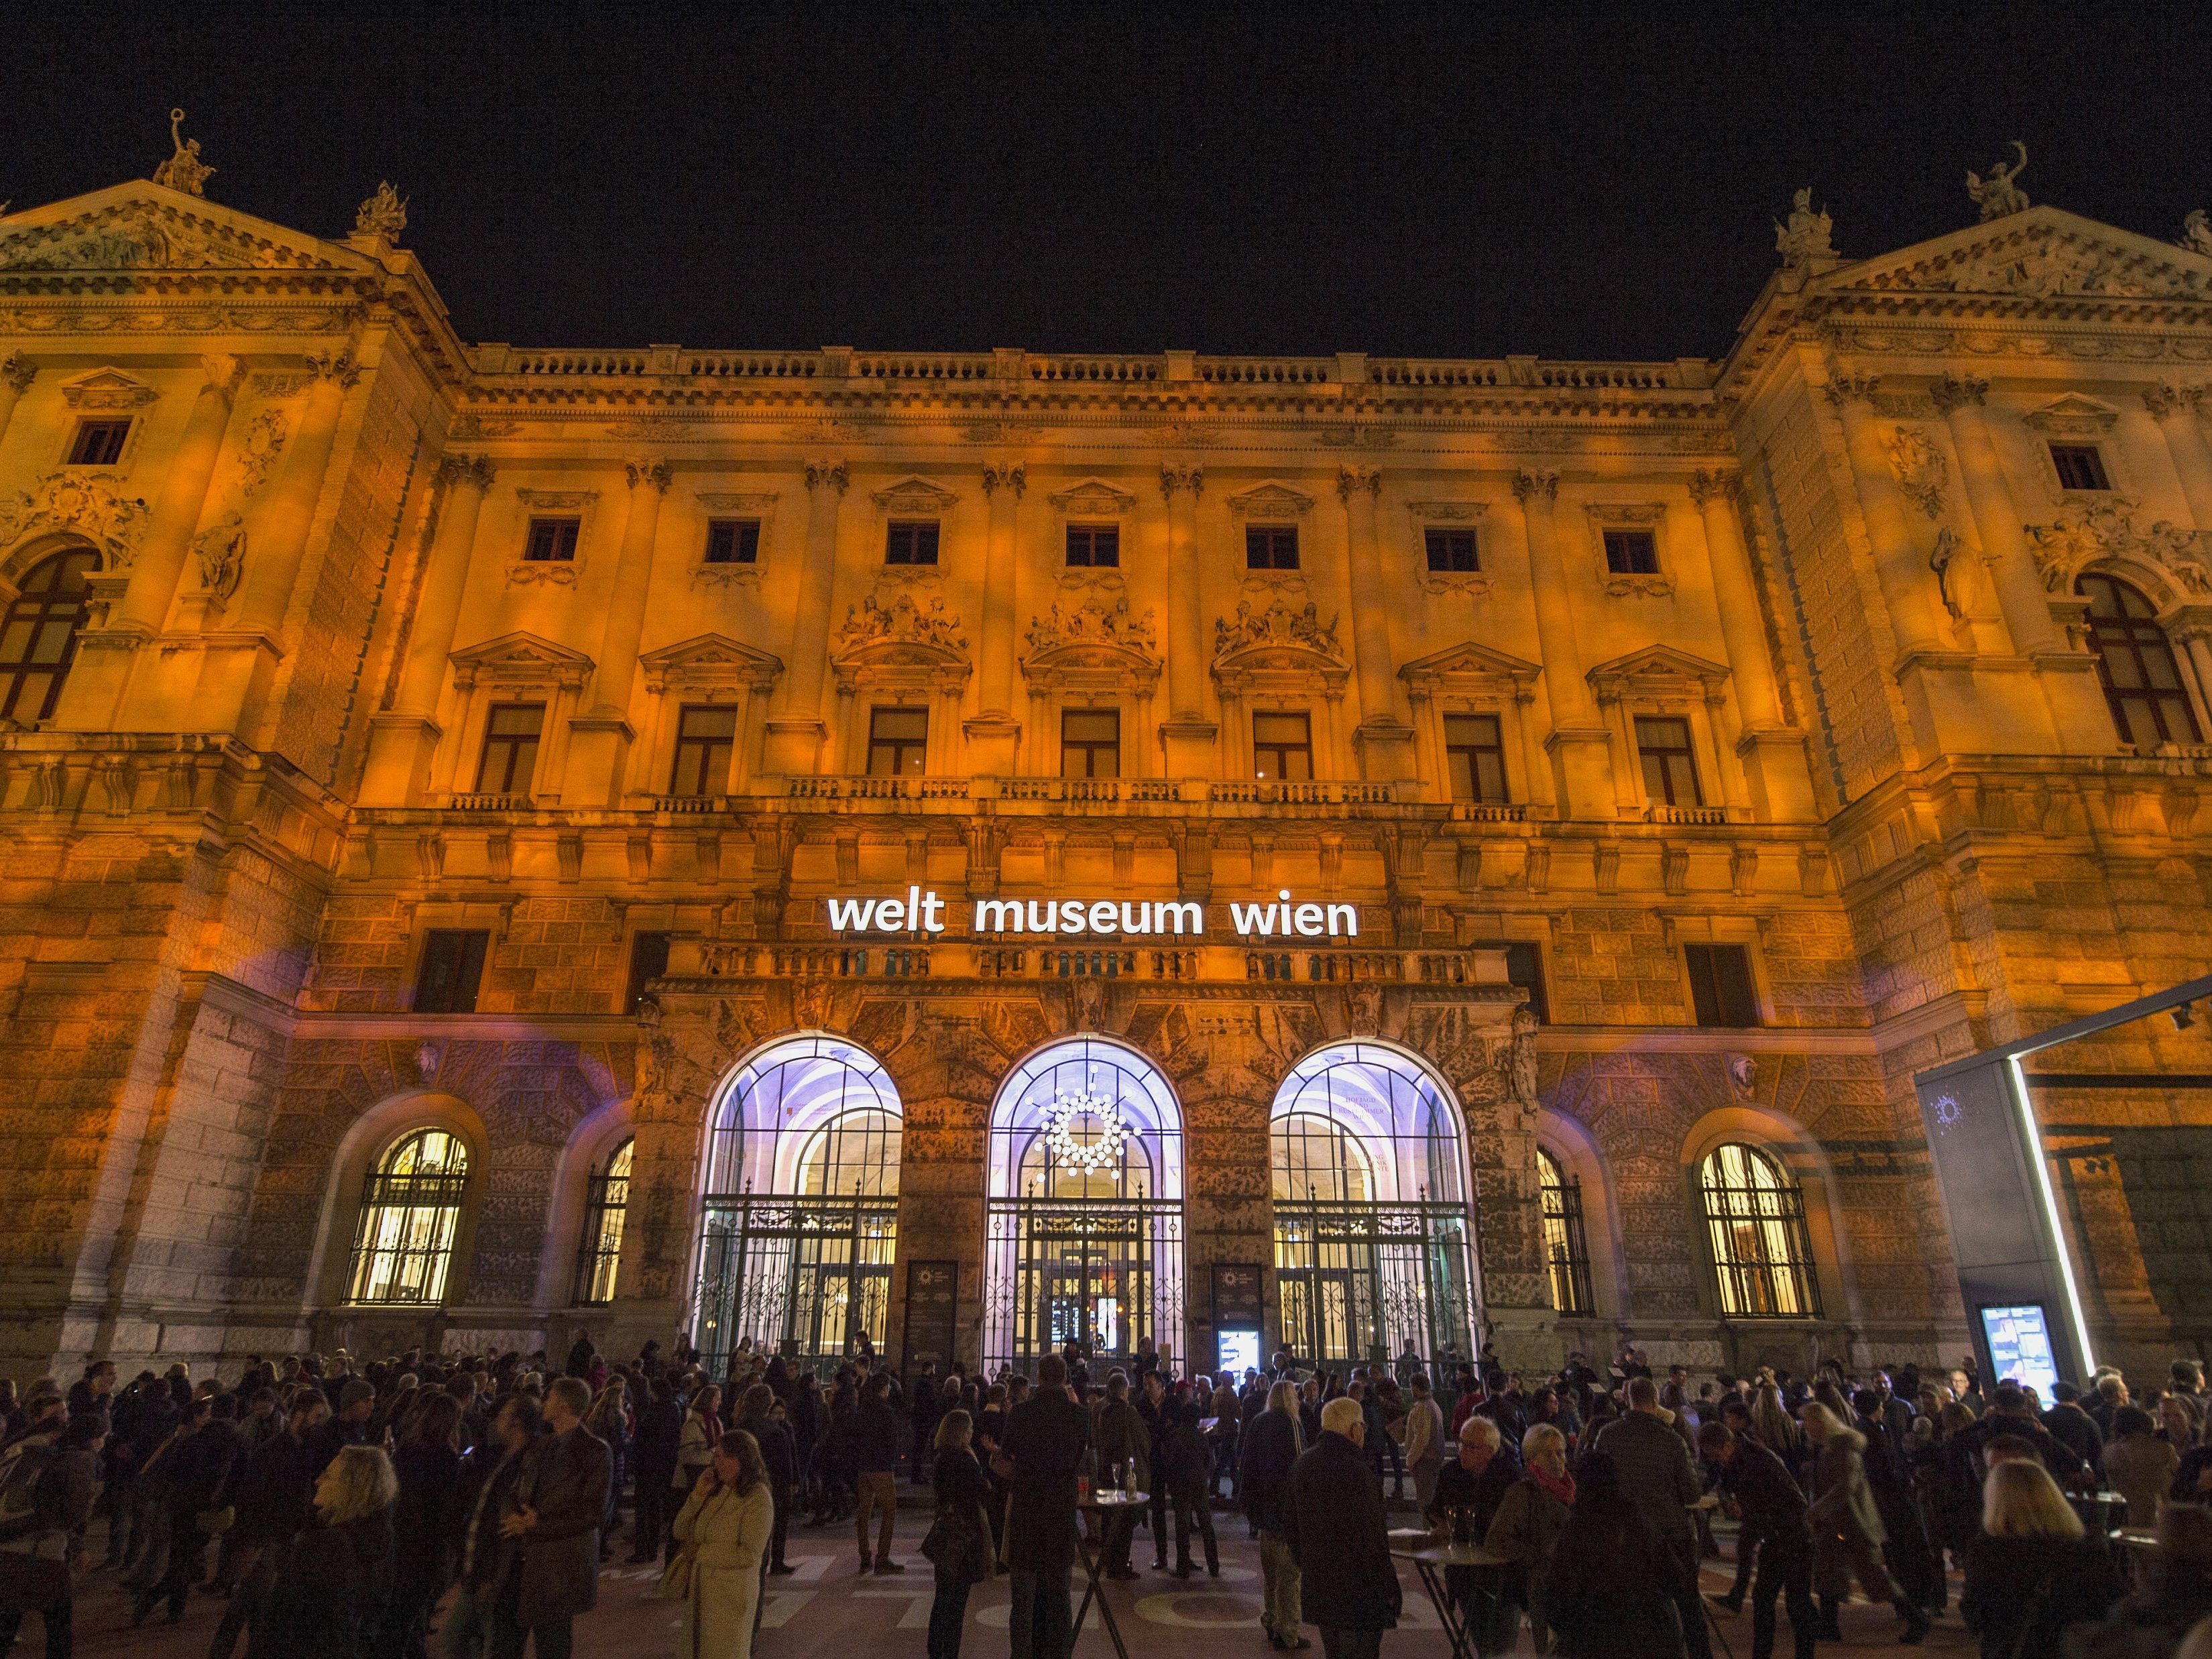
x: 877, y: 1436
x: 2066, y: 1468
x: 555, y: 1568
x: 1772, y: 1508
x: 1124, y: 1438
x: 1046, y: 1436
x: 778, y: 1452
x: 197, y: 1472
x: 1655, y: 1471
x: 425, y: 1522
x: 660, y: 1432
x: 2076, y: 1431
x: 1189, y: 1460
x: 1340, y: 1541
x: 330, y: 1593
x: 488, y: 1476
x: 275, y: 1494
x: 1610, y: 1590
x: 1271, y: 1448
x: 2022, y: 1593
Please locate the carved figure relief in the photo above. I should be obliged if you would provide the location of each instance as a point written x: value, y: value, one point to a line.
x: 871, y: 622
x: 88, y: 505
x: 263, y: 442
x: 2087, y: 532
x: 2197, y: 232
x: 1921, y: 470
x: 1092, y: 623
x: 1276, y: 624
x: 382, y: 217
x: 220, y: 550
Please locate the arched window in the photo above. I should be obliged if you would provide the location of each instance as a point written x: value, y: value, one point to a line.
x: 800, y: 1224
x: 37, y: 641
x: 607, y: 1206
x: 1084, y: 1238
x: 410, y: 1211
x: 1755, y: 1217
x: 1565, y: 1249
x: 2134, y: 661
x: 1371, y: 1210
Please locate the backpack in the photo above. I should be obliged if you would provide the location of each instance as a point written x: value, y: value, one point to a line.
x: 20, y: 1476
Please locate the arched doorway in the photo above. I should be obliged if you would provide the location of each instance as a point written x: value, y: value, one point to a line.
x: 1369, y: 1190
x: 1084, y: 1238
x: 799, y: 1212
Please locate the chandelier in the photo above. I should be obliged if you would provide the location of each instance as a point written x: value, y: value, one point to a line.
x: 1095, y: 1156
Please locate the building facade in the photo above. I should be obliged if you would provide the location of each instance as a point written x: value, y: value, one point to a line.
x: 976, y: 850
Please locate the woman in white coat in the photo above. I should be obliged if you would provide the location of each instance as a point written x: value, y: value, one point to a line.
x: 724, y: 1526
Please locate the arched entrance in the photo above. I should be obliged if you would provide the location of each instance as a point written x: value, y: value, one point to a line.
x: 1371, y: 1210
x: 800, y: 1214
x: 1084, y: 1238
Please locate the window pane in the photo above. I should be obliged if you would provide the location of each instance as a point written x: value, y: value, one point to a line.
x: 551, y: 539
x: 452, y: 970
x: 732, y: 541
x: 1632, y: 553
x: 648, y: 961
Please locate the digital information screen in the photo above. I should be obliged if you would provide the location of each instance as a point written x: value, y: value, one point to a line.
x: 1239, y: 1351
x: 2020, y: 1347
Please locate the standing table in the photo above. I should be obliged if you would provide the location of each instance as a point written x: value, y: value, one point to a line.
x: 1106, y: 1505
x: 1430, y: 1561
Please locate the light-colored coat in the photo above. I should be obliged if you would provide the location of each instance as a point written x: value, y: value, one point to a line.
x: 730, y: 1533
x: 1425, y: 1432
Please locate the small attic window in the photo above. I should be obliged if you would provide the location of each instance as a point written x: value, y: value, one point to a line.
x: 2080, y: 466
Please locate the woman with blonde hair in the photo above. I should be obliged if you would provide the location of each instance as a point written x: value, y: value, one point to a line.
x: 959, y: 1541
x: 1530, y: 1518
x: 1773, y: 1427
x: 334, y: 1579
x: 2032, y: 1573
x: 724, y: 1528
x: 1273, y: 1443
x: 1846, y: 1526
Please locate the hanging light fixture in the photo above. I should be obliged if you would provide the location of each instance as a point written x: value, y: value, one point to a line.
x: 1103, y: 1151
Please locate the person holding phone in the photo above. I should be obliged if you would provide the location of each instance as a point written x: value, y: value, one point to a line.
x: 724, y: 1526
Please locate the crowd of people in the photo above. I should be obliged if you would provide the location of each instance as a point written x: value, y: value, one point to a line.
x: 372, y: 1512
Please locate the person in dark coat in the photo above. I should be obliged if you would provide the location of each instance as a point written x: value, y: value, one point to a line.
x: 780, y: 1456
x: 1772, y: 1515
x: 425, y: 1524
x: 334, y: 1576
x: 1189, y: 1475
x: 1156, y: 1410
x: 962, y: 1487
x: 487, y: 1480
x: 195, y: 1477
x: 1905, y: 1549
x: 652, y: 1455
x: 1476, y: 1482
x: 275, y: 1497
x: 41, y: 1549
x: 553, y: 1515
x: 1124, y: 1445
x: 1614, y: 1590
x: 1046, y: 1437
x: 2031, y: 1575
x: 1653, y: 1462
x: 925, y: 1405
x: 1273, y: 1439
x: 1341, y: 1539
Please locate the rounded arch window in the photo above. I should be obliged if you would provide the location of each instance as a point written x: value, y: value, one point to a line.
x: 810, y: 1114
x: 1566, y: 1248
x: 410, y: 1215
x: 1388, y: 1109
x: 38, y: 636
x: 1755, y: 1218
x: 2135, y: 664
x: 606, y: 1209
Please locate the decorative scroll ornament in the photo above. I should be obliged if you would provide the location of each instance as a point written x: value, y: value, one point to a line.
x: 2088, y: 532
x: 1921, y: 470
x: 265, y: 441
x: 1997, y: 196
x: 1276, y: 624
x: 89, y: 505
x: 1092, y: 623
x: 183, y: 171
x: 1805, y: 237
x: 902, y: 621
x: 1099, y: 1154
x: 382, y: 217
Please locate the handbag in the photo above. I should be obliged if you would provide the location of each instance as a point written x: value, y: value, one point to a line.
x: 216, y: 1522
x: 674, y: 1584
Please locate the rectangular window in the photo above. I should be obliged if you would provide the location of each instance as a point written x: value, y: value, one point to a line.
x: 1632, y: 553
x: 1282, y: 747
x: 1475, y: 756
x: 99, y: 443
x: 1091, y: 742
x: 1670, y: 774
x: 2080, y: 466
x: 705, y: 734
x: 1452, y: 550
x: 1524, y: 967
x: 648, y: 961
x: 1271, y: 547
x: 453, y: 968
x: 552, y: 541
x: 910, y: 541
x: 732, y: 541
x: 1094, y: 545
x: 1720, y: 985
x: 898, y: 742
x: 510, y: 750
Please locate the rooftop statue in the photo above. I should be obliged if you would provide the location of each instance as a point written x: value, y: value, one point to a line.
x: 2197, y: 232
x: 1996, y: 195
x: 383, y: 216
x: 184, y: 171
x: 1805, y: 237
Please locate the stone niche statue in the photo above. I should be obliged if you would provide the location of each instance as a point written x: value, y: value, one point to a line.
x: 1804, y: 238
x: 183, y: 171
x: 1997, y: 195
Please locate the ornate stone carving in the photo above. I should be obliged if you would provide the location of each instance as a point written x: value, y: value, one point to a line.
x: 1922, y: 471
x: 1958, y: 392
x: 1172, y: 479
x: 916, y: 495
x: 826, y: 475
x: 1272, y: 502
x: 184, y: 171
x: 2167, y: 398
x: 338, y: 366
x: 542, y: 573
x: 1276, y: 624
x: 2041, y: 261
x: 903, y: 621
x: 18, y: 371
x: 469, y: 426
x: 1705, y: 486
x: 382, y: 217
x: 1997, y: 195
x: 649, y: 473
x: 1356, y: 480
x: 1536, y: 486
x: 86, y: 504
x: 1805, y: 237
x: 265, y: 440
x: 1949, y: 572
x: 220, y: 550
x: 2196, y: 233
x: 1090, y: 622
x: 106, y: 389
x: 2088, y: 532
x: 472, y: 470
x: 651, y: 426
x: 1010, y: 475
x: 1844, y: 387
x: 2072, y: 416
x: 133, y: 235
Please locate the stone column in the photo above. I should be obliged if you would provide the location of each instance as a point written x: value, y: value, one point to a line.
x: 1578, y: 744
x: 92, y: 697
x: 16, y: 373
x: 2174, y: 407
x: 994, y: 735
x: 277, y: 534
x: 1384, y: 742
x: 599, y: 738
x: 1899, y: 566
x: 1186, y: 736
x: 1773, y: 754
x: 793, y: 746
x: 402, y: 743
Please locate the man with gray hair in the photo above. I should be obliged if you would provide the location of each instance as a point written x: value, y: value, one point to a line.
x: 1339, y: 1539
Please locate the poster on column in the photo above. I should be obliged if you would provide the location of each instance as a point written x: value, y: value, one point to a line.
x: 1237, y: 1312
x: 933, y: 1312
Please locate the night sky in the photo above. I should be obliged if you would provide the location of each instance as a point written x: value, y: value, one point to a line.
x: 1464, y: 181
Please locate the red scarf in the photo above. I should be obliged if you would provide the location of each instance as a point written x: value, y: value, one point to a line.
x: 1562, y: 1488
x: 712, y: 1422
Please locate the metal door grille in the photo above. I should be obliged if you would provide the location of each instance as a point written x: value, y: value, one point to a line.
x: 1105, y: 1272
x: 1362, y: 1283
x: 804, y: 1277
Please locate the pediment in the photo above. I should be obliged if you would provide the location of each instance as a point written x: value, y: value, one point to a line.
x: 1093, y: 496
x: 106, y: 388
x: 2073, y: 416
x: 1276, y: 635
x: 1468, y: 661
x: 2040, y: 252
x: 1272, y: 500
x: 916, y: 494
x: 710, y: 656
x: 143, y: 227
x: 1657, y: 663
x: 522, y: 652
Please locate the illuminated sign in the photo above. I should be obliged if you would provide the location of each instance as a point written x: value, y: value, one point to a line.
x: 2019, y: 1346
x: 921, y: 911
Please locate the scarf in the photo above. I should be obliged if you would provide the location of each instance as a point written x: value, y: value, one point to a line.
x: 1562, y: 1488
x: 712, y: 1422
